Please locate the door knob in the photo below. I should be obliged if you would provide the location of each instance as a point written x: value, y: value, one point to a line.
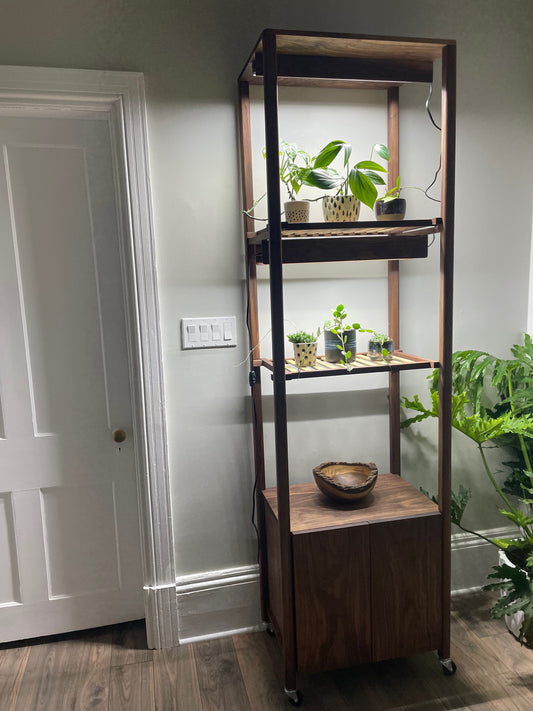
x: 119, y: 436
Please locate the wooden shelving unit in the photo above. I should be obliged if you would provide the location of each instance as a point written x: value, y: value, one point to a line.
x: 342, y: 585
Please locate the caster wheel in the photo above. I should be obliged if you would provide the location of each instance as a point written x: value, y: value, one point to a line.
x: 448, y: 667
x: 295, y: 697
x: 270, y: 629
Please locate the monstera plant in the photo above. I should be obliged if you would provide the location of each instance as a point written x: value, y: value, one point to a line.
x: 492, y: 404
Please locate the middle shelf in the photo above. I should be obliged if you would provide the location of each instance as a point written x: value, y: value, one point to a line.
x: 337, y: 242
x: 362, y: 364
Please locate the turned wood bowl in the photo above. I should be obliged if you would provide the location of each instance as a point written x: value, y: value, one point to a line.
x: 346, y: 481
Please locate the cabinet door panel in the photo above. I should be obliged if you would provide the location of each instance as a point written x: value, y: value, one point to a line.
x: 406, y: 586
x: 332, y: 598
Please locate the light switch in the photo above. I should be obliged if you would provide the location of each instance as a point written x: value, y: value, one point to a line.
x: 209, y: 332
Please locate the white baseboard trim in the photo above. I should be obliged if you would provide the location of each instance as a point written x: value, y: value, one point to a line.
x: 220, y: 603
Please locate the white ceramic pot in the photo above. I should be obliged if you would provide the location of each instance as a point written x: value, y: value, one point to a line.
x: 296, y: 211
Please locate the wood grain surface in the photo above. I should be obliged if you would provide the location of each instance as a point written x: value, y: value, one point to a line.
x: 391, y: 498
x: 494, y: 673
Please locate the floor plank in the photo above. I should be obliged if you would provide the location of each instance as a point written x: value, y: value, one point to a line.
x: 12, y: 667
x: 219, y: 676
x: 129, y: 644
x: 111, y: 670
x: 175, y: 681
x: 131, y: 687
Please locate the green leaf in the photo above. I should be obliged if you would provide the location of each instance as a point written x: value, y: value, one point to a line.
x: 323, y: 179
x: 370, y: 165
x: 328, y: 154
x: 374, y: 177
x: 363, y: 188
x: 381, y: 150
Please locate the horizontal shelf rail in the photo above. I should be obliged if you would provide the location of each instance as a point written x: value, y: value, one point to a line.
x: 362, y: 364
x: 336, y: 242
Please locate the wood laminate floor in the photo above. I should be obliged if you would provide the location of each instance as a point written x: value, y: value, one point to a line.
x: 110, y: 669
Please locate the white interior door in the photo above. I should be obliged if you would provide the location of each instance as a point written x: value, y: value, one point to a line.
x: 69, y: 523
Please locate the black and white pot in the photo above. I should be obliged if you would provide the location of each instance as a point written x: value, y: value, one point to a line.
x: 296, y: 211
x: 332, y: 342
x: 340, y: 208
x: 390, y: 209
x: 375, y: 349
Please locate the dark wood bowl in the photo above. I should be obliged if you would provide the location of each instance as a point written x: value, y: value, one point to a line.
x: 345, y: 481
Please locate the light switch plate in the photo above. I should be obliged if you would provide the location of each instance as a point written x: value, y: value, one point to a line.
x: 209, y: 332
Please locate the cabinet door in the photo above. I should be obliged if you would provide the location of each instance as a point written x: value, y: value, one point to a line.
x: 332, y: 598
x: 406, y: 574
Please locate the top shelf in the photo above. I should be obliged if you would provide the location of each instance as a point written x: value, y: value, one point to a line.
x: 344, y: 60
x: 345, y: 241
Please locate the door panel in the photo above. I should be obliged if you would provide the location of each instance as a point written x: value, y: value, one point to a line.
x: 69, y: 538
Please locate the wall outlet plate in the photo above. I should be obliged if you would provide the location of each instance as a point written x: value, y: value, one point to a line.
x: 209, y: 332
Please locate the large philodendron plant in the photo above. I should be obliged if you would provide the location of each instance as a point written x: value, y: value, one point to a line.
x: 492, y: 404
x: 360, y: 180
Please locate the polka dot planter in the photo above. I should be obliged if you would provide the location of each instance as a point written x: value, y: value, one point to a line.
x: 340, y: 208
x: 304, y: 354
x: 297, y: 211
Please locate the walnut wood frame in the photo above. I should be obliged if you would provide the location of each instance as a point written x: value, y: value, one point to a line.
x: 320, y: 59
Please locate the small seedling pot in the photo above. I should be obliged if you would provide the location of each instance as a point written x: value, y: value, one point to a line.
x: 375, y: 349
x: 304, y: 354
x: 390, y: 209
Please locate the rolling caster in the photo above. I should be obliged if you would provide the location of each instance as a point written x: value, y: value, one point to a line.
x: 295, y: 697
x: 448, y: 666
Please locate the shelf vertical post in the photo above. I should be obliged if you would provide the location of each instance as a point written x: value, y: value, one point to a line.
x: 278, y: 353
x: 253, y: 331
x: 446, y: 316
x: 393, y: 141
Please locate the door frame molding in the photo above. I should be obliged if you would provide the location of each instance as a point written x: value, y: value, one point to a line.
x: 119, y: 98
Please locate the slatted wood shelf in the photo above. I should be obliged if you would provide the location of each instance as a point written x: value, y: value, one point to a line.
x: 392, y: 498
x: 337, y: 242
x: 362, y: 364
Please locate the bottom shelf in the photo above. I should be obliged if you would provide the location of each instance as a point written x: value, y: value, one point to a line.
x: 367, y: 578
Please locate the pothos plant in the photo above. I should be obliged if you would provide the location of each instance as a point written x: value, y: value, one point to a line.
x: 492, y: 404
x: 340, y: 326
x: 360, y: 180
x: 395, y: 192
x: 294, y: 165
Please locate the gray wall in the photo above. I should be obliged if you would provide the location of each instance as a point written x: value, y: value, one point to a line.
x: 191, y: 54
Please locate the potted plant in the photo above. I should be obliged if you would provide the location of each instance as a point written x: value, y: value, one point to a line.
x: 340, y: 339
x: 304, y: 347
x: 380, y: 346
x: 294, y: 165
x: 355, y: 186
x: 502, y: 417
x: 391, y: 206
